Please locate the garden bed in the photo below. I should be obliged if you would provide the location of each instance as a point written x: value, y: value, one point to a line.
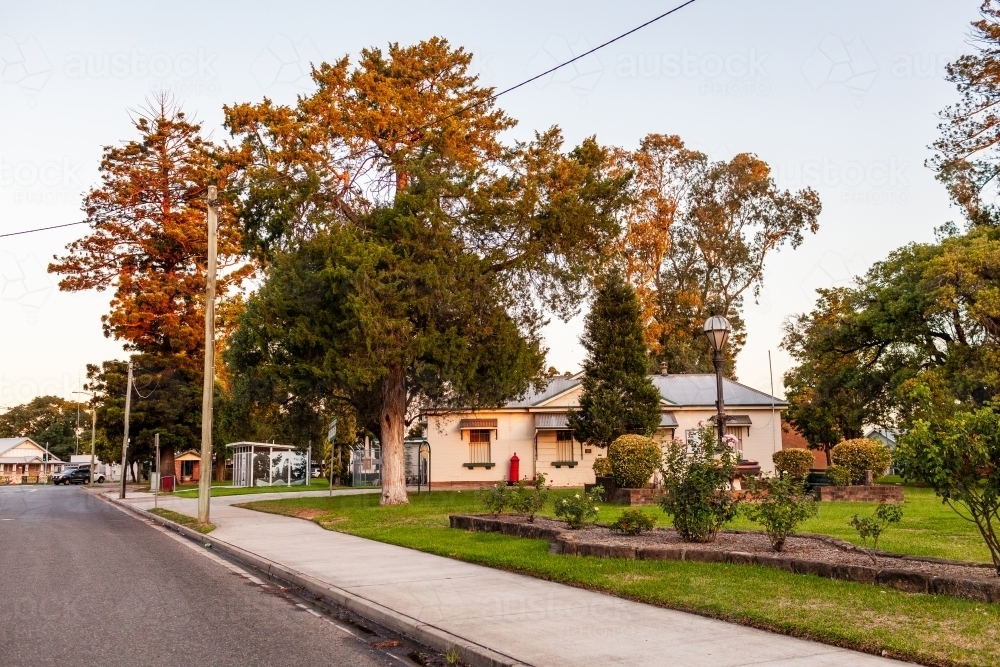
x: 804, y: 554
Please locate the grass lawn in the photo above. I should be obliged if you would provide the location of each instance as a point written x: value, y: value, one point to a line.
x: 226, y: 489
x: 183, y: 519
x: 931, y: 629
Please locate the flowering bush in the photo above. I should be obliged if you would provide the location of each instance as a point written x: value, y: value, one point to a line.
x: 602, y: 467
x: 580, y: 508
x: 633, y: 459
x: 698, y: 495
x: 861, y: 455
x: 496, y: 498
x: 529, y: 497
x: 632, y: 522
x: 794, y: 462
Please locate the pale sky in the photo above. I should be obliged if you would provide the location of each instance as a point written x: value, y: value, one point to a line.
x: 840, y: 96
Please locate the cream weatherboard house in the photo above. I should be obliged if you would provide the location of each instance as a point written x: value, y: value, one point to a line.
x: 472, y: 449
x: 24, y: 461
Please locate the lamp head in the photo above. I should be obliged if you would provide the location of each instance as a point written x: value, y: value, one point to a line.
x: 717, y: 331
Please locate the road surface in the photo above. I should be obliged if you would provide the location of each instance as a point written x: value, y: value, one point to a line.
x: 83, y: 583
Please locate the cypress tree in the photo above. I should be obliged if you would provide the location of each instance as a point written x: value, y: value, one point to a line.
x: 618, y: 396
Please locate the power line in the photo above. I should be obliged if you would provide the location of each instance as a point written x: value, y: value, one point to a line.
x: 559, y: 66
x: 42, y: 229
x: 474, y: 104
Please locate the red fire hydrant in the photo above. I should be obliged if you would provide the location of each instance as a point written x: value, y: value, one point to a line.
x: 514, y: 470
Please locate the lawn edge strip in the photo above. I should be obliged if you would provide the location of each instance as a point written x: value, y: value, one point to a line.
x: 908, y: 581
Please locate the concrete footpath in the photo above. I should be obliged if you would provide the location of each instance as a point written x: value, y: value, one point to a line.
x: 517, y: 619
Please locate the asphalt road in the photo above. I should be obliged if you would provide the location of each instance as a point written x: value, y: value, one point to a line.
x: 83, y: 583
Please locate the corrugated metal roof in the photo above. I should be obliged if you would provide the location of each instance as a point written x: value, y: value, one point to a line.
x: 476, y: 423
x: 682, y: 390
x: 668, y: 420
x: 551, y: 420
x: 699, y: 390
x: 11, y: 443
x: 556, y: 385
x: 735, y: 420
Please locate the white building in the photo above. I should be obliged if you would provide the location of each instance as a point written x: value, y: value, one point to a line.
x: 24, y: 461
x: 473, y: 448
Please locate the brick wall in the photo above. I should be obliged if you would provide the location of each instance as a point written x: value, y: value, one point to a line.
x: 878, y: 493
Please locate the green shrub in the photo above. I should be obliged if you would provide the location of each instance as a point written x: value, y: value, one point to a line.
x: 872, y: 527
x: 634, y: 459
x: 581, y: 508
x: 959, y: 457
x: 632, y: 522
x: 838, y: 475
x: 496, y: 499
x: 861, y: 455
x: 529, y: 497
x: 602, y: 467
x: 779, y: 505
x: 698, y: 496
x: 794, y: 462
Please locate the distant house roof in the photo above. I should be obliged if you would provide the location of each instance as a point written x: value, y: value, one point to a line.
x: 887, y: 435
x: 7, y: 444
x: 688, y: 390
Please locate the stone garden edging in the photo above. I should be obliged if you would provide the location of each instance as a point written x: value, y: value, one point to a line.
x: 565, y: 541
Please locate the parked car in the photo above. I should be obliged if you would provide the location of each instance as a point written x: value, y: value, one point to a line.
x: 80, y: 475
x: 317, y: 470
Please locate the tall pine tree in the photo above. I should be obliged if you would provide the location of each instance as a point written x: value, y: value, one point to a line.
x: 618, y: 397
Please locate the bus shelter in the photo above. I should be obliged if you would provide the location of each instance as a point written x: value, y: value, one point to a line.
x: 269, y: 464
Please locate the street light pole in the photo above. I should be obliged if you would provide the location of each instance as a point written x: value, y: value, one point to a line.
x: 717, y: 330
x: 205, y: 479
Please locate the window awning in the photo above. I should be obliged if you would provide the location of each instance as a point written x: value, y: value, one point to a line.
x: 735, y: 420
x: 469, y: 424
x: 557, y: 420
x: 668, y: 420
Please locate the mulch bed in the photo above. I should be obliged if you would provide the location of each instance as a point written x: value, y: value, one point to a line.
x: 807, y: 554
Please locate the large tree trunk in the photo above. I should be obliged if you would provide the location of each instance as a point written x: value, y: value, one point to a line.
x: 391, y: 420
x: 166, y: 464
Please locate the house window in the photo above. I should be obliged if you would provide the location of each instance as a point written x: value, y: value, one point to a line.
x: 691, y: 437
x: 479, y: 446
x: 737, y: 432
x: 564, y: 445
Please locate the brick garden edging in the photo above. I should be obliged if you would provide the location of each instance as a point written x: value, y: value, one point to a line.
x: 567, y: 542
x: 878, y: 493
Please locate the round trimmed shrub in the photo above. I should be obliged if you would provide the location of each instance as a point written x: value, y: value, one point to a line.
x: 860, y: 455
x: 795, y: 462
x: 634, y: 459
x: 602, y: 467
x: 838, y: 475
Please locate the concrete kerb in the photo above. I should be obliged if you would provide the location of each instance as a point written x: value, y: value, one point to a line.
x: 428, y: 635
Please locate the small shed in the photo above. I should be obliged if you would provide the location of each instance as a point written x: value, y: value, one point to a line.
x: 269, y: 464
x: 187, y: 466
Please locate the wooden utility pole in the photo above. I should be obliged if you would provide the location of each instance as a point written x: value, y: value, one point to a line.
x: 93, y: 443
x: 205, y: 478
x: 128, y: 407
x: 159, y: 476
